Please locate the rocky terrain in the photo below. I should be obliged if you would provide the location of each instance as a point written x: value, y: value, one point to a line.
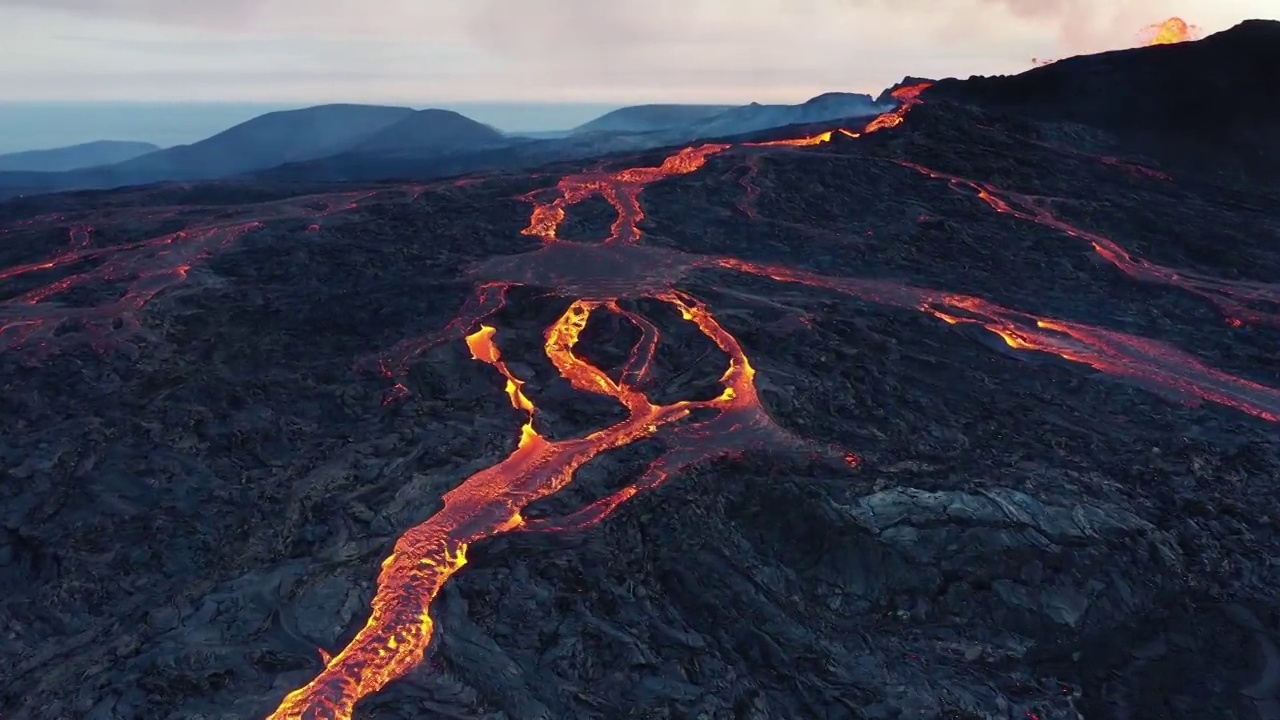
x: 1009, y: 449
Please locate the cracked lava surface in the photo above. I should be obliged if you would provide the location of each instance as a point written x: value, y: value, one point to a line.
x: 598, y: 275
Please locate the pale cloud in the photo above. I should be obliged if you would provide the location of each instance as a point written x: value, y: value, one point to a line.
x: 416, y: 51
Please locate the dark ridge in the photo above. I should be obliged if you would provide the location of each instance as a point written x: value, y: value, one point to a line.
x: 647, y: 118
x: 72, y: 157
x: 1191, y: 101
x: 430, y: 130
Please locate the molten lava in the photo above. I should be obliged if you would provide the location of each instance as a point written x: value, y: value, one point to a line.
x: 34, y: 322
x: 1237, y: 299
x: 1173, y: 30
x: 621, y: 190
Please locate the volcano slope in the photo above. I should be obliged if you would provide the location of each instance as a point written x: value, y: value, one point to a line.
x: 970, y: 417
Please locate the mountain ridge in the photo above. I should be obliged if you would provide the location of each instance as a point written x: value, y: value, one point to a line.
x: 650, y: 117
x: 426, y: 131
x: 1170, y: 93
x: 74, y: 157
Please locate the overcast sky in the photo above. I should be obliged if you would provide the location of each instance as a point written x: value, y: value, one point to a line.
x: 617, y: 51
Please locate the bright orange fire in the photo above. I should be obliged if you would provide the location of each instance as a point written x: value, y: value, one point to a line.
x: 1173, y: 30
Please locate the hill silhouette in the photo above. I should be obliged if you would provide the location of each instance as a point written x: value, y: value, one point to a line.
x: 72, y: 157
x: 265, y: 141
x: 650, y: 118
x: 256, y: 144
x: 430, y: 131
x: 963, y: 411
x: 1211, y: 95
x: 756, y: 117
x: 745, y: 122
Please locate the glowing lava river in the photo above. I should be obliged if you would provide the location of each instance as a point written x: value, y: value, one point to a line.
x: 598, y: 276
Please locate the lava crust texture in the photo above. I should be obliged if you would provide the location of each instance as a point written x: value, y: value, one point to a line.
x: 951, y: 415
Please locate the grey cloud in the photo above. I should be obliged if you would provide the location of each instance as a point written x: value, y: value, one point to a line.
x: 1079, y: 23
x: 616, y: 31
x: 544, y: 29
x: 222, y: 14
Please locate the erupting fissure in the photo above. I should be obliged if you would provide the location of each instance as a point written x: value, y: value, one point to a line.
x: 1171, y: 31
x: 599, y: 277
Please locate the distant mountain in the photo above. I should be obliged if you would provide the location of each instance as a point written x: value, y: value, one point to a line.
x: 649, y: 118
x: 428, y: 132
x: 263, y: 142
x: 73, y: 157
x: 745, y: 123
x: 753, y: 117
x: 1206, y: 98
x: 438, y: 143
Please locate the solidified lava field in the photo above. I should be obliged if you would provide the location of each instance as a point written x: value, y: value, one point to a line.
x: 957, y: 417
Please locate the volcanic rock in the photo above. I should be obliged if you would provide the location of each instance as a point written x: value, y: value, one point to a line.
x: 1192, y: 103
x: 1013, y: 455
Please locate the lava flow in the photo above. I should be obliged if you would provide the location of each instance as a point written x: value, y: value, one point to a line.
x: 36, y: 322
x: 490, y: 502
x: 1145, y: 362
x: 600, y: 275
x: 1235, y: 298
x: 147, y: 267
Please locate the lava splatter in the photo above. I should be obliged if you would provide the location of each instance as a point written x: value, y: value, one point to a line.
x: 1171, y: 31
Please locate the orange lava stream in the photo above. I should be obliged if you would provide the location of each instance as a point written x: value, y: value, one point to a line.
x: 147, y: 267
x: 620, y: 189
x: 1232, y: 297
x: 490, y: 502
x: 34, y: 321
x: 908, y: 96
x: 1148, y: 362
